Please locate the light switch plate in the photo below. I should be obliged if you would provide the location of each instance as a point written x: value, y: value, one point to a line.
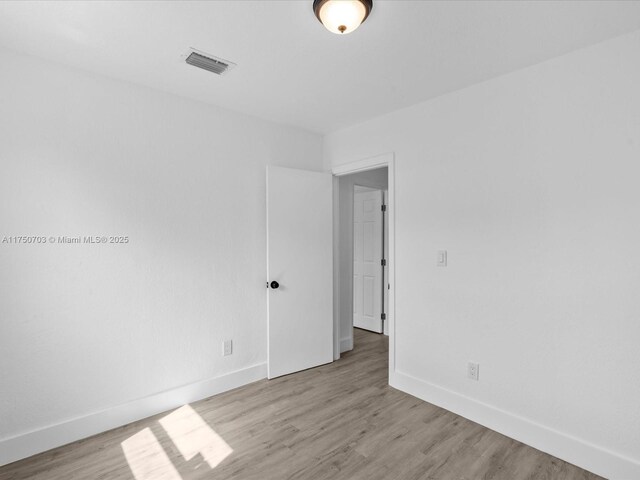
x: 442, y: 258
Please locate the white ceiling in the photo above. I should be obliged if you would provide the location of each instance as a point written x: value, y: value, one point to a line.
x: 290, y: 69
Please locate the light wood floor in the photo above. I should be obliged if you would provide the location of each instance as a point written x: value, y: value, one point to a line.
x: 339, y: 421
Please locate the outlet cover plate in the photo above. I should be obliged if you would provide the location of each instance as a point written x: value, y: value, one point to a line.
x: 473, y: 371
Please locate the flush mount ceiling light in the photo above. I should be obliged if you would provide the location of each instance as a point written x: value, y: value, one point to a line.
x: 342, y: 16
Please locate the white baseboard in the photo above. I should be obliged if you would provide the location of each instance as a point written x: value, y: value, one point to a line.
x: 586, y: 455
x: 346, y: 344
x: 25, y: 445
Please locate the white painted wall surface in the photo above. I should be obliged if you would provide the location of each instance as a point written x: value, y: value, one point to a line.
x: 343, y: 273
x: 531, y: 182
x: 84, y: 328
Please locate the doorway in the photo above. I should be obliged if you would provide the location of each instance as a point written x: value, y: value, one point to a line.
x: 372, y: 174
x: 288, y: 205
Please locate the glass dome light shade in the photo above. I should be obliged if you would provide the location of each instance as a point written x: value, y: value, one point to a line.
x: 342, y: 16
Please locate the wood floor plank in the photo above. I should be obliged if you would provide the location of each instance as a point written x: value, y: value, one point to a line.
x: 339, y: 421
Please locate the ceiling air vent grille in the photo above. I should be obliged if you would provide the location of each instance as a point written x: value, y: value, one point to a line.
x: 210, y: 63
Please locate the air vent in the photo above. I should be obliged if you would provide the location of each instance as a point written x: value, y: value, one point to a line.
x: 209, y: 63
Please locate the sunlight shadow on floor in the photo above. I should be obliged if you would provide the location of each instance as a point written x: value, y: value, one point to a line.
x: 191, y: 435
x: 147, y: 459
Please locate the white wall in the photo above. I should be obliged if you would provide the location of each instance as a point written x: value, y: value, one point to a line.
x: 531, y: 182
x: 343, y: 276
x: 85, y: 328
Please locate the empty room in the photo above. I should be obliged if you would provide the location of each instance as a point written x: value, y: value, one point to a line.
x: 320, y: 239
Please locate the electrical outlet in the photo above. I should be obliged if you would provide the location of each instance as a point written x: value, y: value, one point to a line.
x: 473, y: 370
x: 227, y: 347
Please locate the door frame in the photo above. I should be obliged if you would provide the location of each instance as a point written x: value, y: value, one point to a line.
x: 370, y: 163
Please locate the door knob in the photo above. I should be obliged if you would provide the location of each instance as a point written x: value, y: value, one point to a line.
x: 274, y: 284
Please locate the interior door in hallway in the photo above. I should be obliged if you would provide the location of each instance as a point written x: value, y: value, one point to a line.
x: 367, y: 258
x: 299, y: 270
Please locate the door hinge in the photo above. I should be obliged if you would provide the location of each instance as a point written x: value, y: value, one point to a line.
x: 383, y: 316
x: 383, y: 208
x: 383, y: 262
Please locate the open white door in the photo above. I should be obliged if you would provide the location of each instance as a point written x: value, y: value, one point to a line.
x: 368, y: 279
x: 300, y: 261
